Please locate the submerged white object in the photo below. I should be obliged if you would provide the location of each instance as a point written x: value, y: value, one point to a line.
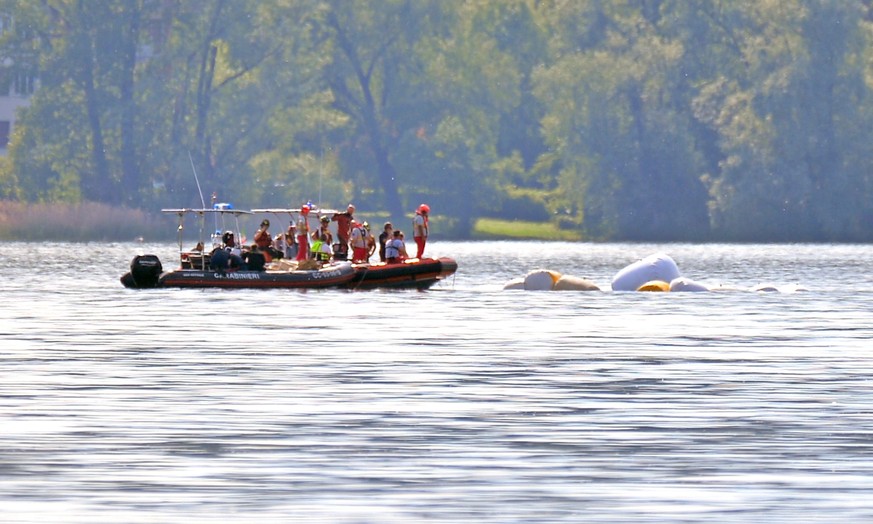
x: 654, y: 267
x: 686, y: 284
x: 541, y: 280
x: 571, y: 283
x: 515, y: 283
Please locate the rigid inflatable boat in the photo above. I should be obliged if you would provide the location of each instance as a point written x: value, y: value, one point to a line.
x: 413, y: 273
x: 200, y: 269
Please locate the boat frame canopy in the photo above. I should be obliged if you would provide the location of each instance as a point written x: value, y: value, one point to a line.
x: 218, y: 211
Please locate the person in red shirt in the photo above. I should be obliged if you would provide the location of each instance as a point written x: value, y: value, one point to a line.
x: 343, y: 231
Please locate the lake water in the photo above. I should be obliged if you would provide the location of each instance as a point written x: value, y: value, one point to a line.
x: 463, y: 403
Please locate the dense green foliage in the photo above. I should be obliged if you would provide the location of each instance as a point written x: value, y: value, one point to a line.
x: 621, y: 120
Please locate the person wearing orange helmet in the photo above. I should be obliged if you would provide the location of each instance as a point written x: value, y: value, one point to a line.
x: 420, y: 228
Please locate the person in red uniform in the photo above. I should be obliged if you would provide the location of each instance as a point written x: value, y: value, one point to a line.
x: 303, y: 234
x: 420, y: 228
x: 360, y: 252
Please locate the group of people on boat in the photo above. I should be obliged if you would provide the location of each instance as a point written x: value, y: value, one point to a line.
x: 232, y: 255
x: 300, y: 244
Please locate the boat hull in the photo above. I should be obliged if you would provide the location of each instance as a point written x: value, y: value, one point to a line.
x: 332, y: 276
x: 411, y: 274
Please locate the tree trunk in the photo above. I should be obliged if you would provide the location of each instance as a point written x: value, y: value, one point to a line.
x: 204, y: 91
x: 130, y: 172
x: 387, y: 174
x: 98, y: 187
x: 369, y: 113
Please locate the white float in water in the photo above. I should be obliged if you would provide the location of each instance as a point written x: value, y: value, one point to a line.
x: 571, y: 283
x: 686, y: 284
x: 515, y: 283
x: 541, y: 280
x: 654, y: 267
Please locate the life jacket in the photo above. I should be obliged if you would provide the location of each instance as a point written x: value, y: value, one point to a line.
x: 318, y: 253
x: 392, y: 248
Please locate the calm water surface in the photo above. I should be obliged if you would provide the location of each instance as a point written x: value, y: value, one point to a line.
x: 464, y: 403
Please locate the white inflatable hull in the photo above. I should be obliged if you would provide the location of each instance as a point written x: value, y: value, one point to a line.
x: 657, y: 267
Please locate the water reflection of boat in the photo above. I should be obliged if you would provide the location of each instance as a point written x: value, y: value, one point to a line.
x: 197, y: 268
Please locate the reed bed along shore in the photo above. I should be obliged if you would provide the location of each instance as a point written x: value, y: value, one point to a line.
x: 92, y: 221
x: 83, y: 222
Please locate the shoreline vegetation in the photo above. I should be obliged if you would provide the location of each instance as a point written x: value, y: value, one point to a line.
x: 91, y: 221
x: 83, y: 222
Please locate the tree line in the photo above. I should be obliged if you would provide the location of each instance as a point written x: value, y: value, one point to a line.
x: 737, y: 120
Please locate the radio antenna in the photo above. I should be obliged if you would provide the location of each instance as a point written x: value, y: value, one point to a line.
x: 202, y: 201
x: 320, y: 175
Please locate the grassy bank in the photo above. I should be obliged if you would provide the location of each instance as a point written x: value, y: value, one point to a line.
x: 491, y: 229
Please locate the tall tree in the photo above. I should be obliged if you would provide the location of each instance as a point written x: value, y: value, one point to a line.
x: 472, y: 83
x: 372, y: 75
x: 617, y: 118
x: 781, y: 122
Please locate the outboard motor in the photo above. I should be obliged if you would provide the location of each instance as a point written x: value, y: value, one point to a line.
x: 145, y: 270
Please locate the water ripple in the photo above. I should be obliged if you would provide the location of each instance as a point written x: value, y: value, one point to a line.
x: 462, y: 403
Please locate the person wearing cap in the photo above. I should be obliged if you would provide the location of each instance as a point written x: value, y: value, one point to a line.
x: 303, y: 234
x: 324, y: 230
x: 264, y: 241
x: 359, y: 243
x: 262, y: 236
x: 420, y: 228
x: 228, y: 255
x: 386, y: 235
x: 343, y: 231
